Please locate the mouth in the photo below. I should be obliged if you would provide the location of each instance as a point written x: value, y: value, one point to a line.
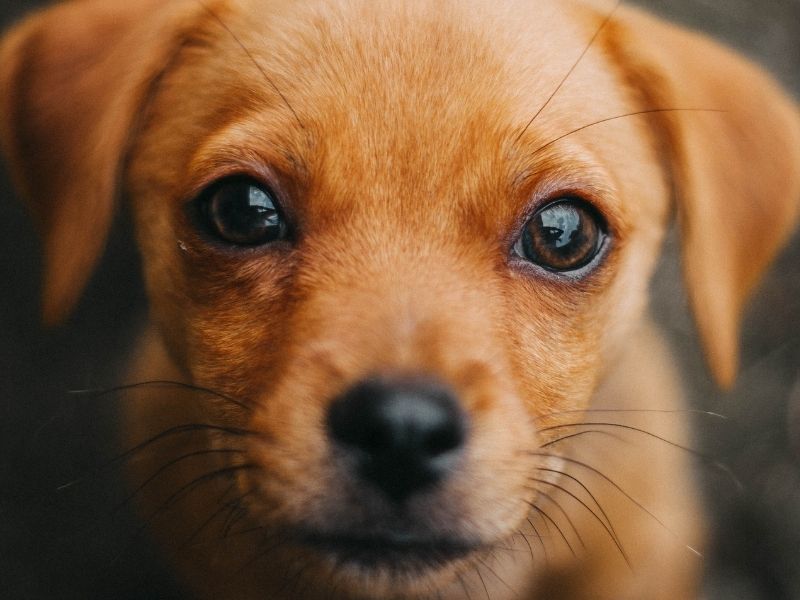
x: 390, y: 552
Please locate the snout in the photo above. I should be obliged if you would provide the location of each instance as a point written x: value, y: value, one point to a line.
x: 395, y: 431
x: 397, y: 442
x: 399, y: 436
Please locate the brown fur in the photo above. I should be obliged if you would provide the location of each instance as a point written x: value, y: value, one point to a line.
x: 394, y: 135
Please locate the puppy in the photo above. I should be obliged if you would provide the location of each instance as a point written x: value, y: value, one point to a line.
x: 397, y: 256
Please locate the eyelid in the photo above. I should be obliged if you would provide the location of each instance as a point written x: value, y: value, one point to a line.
x: 561, y: 175
x: 260, y: 174
x: 582, y: 274
x: 225, y: 173
x: 223, y: 168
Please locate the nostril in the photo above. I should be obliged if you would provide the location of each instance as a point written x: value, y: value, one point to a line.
x: 443, y: 439
x: 403, y: 433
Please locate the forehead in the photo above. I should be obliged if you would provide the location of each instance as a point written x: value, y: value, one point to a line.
x: 430, y: 94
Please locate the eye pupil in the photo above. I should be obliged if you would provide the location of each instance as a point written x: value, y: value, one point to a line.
x: 243, y: 213
x: 563, y: 236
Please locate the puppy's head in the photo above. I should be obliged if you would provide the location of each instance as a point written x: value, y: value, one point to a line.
x: 403, y: 236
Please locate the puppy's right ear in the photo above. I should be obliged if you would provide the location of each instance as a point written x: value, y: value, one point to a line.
x: 73, y: 80
x: 735, y: 167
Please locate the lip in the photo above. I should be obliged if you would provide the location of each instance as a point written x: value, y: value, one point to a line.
x: 390, y: 552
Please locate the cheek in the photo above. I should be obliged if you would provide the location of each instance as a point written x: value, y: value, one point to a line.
x: 554, y: 343
x: 627, y: 297
x: 222, y: 317
x: 237, y: 329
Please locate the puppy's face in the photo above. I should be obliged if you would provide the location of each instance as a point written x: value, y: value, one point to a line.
x: 397, y: 243
x: 342, y: 213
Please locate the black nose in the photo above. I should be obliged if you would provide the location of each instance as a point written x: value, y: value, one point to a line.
x: 405, y: 435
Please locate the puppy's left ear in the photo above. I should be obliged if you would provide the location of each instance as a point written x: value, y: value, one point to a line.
x: 735, y: 165
x: 74, y: 78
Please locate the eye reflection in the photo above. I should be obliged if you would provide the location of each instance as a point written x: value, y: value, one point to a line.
x: 560, y: 224
x: 563, y: 236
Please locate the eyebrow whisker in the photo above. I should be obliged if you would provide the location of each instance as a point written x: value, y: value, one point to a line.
x: 252, y: 58
x: 605, y: 22
x: 648, y: 111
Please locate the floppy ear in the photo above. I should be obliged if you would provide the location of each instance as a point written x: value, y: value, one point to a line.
x: 736, y: 173
x: 74, y: 79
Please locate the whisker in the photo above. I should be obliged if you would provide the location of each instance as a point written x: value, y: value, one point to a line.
x: 626, y: 115
x: 463, y: 583
x: 597, y: 472
x: 101, y: 392
x: 609, y: 530
x: 293, y: 580
x: 571, y: 69
x: 176, y: 430
x: 199, y: 529
x: 236, y: 514
x: 617, y: 487
x: 526, y: 540
x: 165, y: 467
x: 541, y: 541
x: 570, y: 436
x: 249, y: 54
x: 708, y: 460
x: 496, y: 576
x: 704, y: 413
x: 188, y: 487
x: 148, y: 522
x: 485, y: 589
x: 223, y: 506
x: 561, y: 509
x: 547, y: 518
x: 229, y: 533
x: 623, y: 426
x: 585, y: 489
x: 201, y: 479
x: 263, y: 548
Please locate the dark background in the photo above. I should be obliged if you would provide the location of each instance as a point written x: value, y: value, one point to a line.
x: 73, y: 543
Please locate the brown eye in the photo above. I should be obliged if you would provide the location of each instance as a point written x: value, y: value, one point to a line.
x: 563, y: 236
x: 242, y: 212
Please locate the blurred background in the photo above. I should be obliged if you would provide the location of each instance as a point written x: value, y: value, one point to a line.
x: 74, y: 543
